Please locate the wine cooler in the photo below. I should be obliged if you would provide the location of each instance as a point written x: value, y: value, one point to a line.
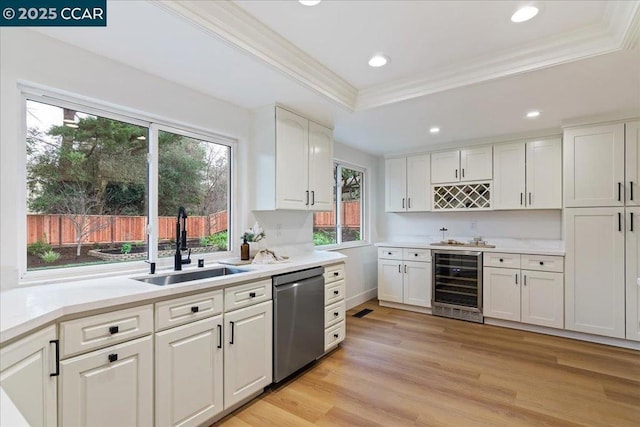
x: 457, y: 285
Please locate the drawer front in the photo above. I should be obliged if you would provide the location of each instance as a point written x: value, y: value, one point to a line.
x: 333, y: 273
x: 417, y: 255
x: 245, y: 295
x: 333, y: 292
x: 543, y: 263
x: 183, y: 310
x: 93, y: 332
x: 497, y: 259
x: 334, y: 335
x: 334, y: 314
x: 390, y: 253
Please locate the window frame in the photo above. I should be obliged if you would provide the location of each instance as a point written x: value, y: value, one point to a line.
x: 62, y: 99
x: 364, y: 208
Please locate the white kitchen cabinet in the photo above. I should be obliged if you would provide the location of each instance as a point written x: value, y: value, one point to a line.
x: 528, y: 175
x: 26, y: 368
x: 189, y: 359
x: 632, y: 162
x: 407, y: 184
x: 247, y: 352
x: 108, y: 387
x: 632, y: 273
x: 530, y: 292
x: 594, y: 162
x: 595, y: 271
x: 189, y: 373
x: 468, y: 164
x: 292, y: 162
x: 405, y: 278
x: 334, y: 289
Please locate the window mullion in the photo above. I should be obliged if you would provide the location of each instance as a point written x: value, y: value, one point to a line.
x: 152, y: 198
x: 339, y: 204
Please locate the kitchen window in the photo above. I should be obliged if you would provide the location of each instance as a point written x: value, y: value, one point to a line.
x: 105, y: 188
x: 345, y: 224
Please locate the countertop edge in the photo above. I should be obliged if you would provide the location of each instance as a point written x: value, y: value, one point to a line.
x: 505, y: 249
x: 147, y: 293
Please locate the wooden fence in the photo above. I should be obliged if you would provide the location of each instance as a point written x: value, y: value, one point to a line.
x: 350, y: 216
x: 59, y: 229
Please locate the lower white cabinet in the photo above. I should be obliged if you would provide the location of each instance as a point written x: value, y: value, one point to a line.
x: 404, y: 276
x: 108, y: 387
x: 189, y: 373
x: 334, y: 289
x: 531, y: 296
x: 26, y: 369
x: 247, y: 351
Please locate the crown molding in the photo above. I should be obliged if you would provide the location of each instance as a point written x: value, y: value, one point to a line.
x: 619, y: 29
x: 233, y: 25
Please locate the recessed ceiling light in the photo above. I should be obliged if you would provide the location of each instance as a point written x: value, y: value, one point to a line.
x: 378, y: 60
x: 434, y: 129
x: 524, y: 14
x: 533, y: 114
x: 309, y: 2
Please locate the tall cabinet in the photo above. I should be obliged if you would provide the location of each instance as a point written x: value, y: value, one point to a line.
x: 407, y: 184
x: 600, y: 192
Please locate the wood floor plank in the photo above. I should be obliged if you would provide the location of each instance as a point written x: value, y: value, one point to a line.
x: 400, y: 368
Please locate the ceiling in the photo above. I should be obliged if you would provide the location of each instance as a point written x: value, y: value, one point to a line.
x: 460, y: 65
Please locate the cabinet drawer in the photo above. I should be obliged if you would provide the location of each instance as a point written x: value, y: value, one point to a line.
x: 497, y: 259
x: 89, y: 333
x: 179, y: 311
x: 334, y: 314
x: 333, y: 292
x: 543, y: 263
x: 333, y: 273
x: 334, y: 335
x: 390, y: 253
x: 246, y: 295
x: 416, y: 255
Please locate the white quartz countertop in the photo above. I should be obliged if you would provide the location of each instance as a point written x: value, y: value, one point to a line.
x: 27, y: 308
x: 516, y: 246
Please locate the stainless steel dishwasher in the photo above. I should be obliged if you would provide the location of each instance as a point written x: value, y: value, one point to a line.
x: 298, y: 320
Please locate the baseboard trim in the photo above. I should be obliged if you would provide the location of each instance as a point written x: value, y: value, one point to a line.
x: 616, y: 342
x: 400, y: 306
x: 361, y: 298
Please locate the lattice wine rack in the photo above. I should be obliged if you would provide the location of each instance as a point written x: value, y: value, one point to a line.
x: 462, y: 196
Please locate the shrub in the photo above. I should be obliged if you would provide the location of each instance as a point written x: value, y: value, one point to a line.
x: 50, y: 256
x: 218, y: 240
x: 322, y: 237
x: 39, y: 247
x: 126, y: 248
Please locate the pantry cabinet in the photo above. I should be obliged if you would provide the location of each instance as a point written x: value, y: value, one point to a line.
x: 407, y: 184
x: 595, y: 271
x: 528, y: 175
x: 632, y: 272
x: 404, y: 276
x: 468, y: 164
x: 524, y: 288
x: 293, y: 162
x: 28, y: 376
x: 632, y: 162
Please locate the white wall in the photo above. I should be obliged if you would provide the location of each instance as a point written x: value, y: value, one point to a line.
x: 30, y: 56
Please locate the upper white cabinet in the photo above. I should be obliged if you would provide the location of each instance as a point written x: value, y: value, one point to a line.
x: 594, y: 166
x: 407, y: 186
x: 632, y: 162
x: 292, y: 162
x: 28, y: 377
x: 469, y: 164
x: 528, y: 175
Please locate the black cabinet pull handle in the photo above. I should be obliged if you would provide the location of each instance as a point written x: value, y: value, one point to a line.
x: 619, y: 221
x: 630, y: 221
x: 113, y: 330
x: 313, y: 198
x: 336, y: 314
x: 219, y: 336
x: 520, y: 199
x: 525, y: 280
x: 415, y: 254
x: 409, y: 203
x: 405, y: 268
x: 252, y: 294
x: 463, y: 172
x: 57, y: 352
x: 529, y: 198
x: 630, y: 190
x: 403, y: 203
x: 336, y: 292
x: 619, y: 191
x: 307, y: 202
x: 456, y: 173
x: 501, y: 260
x: 336, y: 335
x: 541, y: 263
x: 388, y: 253
x: 399, y: 268
x: 516, y: 279
x: 336, y: 274
x: 195, y: 309
x: 113, y: 357
x: 232, y: 333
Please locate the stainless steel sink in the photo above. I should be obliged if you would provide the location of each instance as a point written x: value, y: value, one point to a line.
x: 170, y: 279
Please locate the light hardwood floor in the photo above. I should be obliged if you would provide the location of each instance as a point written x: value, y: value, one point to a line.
x: 398, y: 368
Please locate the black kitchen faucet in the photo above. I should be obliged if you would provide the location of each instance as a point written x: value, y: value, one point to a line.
x: 181, y: 240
